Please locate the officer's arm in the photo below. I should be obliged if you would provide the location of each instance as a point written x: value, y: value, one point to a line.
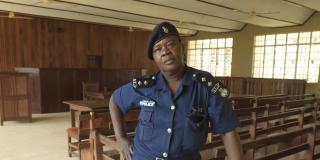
x: 119, y: 130
x: 232, y: 144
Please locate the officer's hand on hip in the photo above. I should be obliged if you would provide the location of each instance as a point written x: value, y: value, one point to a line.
x: 125, y: 148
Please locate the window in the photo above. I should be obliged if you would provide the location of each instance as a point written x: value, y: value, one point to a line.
x: 212, y: 55
x: 288, y: 56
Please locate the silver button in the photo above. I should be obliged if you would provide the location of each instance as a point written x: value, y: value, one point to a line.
x: 165, y: 154
x: 169, y: 130
x: 173, y: 107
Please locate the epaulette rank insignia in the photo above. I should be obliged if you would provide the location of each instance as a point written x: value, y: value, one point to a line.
x: 143, y: 82
x: 213, y: 85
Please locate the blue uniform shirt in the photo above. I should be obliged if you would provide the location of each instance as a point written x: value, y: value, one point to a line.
x: 168, y: 124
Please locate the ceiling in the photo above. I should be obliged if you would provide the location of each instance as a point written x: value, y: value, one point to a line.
x: 190, y: 16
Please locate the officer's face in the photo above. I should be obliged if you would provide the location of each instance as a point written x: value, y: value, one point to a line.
x: 167, y: 54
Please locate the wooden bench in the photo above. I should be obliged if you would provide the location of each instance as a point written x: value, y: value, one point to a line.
x: 261, y: 126
x: 307, y: 146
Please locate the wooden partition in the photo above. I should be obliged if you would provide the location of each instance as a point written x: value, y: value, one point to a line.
x: 263, y: 86
x: 50, y: 87
x: 14, y: 103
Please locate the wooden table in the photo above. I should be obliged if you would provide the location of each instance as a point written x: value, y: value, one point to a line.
x: 86, y: 106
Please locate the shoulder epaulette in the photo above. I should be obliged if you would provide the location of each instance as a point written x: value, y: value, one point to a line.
x: 214, y: 86
x: 143, y: 82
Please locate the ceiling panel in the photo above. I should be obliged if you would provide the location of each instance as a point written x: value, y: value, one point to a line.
x: 314, y: 4
x: 189, y: 16
x: 277, y: 10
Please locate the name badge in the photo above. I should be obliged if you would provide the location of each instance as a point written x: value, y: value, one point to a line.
x: 147, y: 103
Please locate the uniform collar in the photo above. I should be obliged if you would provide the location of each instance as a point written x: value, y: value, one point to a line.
x: 161, y: 84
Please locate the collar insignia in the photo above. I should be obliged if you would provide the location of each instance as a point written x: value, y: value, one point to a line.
x: 213, y: 85
x: 143, y: 82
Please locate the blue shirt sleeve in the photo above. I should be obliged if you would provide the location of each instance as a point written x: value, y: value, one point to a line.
x: 125, y: 97
x: 222, y: 117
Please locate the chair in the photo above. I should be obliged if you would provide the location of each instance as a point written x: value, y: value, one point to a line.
x: 101, y: 139
x: 90, y: 91
x: 78, y: 137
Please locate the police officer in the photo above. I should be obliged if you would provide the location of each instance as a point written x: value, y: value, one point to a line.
x: 177, y: 105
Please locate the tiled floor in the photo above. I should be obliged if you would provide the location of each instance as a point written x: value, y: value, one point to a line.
x: 43, y: 139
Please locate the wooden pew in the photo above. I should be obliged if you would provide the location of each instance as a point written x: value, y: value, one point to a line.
x: 284, y: 120
x: 246, y: 101
x: 307, y: 146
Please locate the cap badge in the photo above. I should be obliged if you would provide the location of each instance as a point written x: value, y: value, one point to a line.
x: 165, y: 29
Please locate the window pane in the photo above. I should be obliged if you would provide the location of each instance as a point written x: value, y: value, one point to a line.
x: 214, y: 43
x: 211, y: 55
x: 302, y: 63
x: 281, y: 39
x: 206, y: 43
x: 191, y: 58
x: 199, y: 44
x: 268, y: 62
x: 221, y: 43
x: 290, y: 67
x: 206, y: 63
x: 270, y: 39
x: 279, y: 61
x: 316, y: 37
x: 292, y: 38
x: 192, y: 45
x: 229, y: 42
x: 259, y: 40
x: 292, y: 56
x: 304, y: 37
x: 314, y: 63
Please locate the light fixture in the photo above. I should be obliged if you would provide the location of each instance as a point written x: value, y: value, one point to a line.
x: 11, y: 15
x: 130, y: 29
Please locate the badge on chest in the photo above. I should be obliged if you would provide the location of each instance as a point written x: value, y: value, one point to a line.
x: 147, y: 103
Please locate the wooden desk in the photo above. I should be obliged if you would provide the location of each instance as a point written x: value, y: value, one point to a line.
x: 86, y: 106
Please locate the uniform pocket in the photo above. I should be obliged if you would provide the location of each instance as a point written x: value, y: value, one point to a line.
x: 146, y: 124
x: 195, y: 133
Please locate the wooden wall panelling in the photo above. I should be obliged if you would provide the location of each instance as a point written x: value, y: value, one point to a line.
x: 267, y: 86
x: 67, y: 88
x: 33, y: 88
x: 1, y: 106
x: 9, y: 105
x: 57, y: 85
x: 95, y: 40
x: 80, y: 75
x: 51, y: 43
x: 22, y: 93
x: 14, y: 97
x: 81, y: 39
x: 96, y: 75
x: 262, y: 86
x: 116, y: 50
x: 49, y: 82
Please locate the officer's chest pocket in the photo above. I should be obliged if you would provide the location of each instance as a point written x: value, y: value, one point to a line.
x: 195, y: 133
x: 146, y: 123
